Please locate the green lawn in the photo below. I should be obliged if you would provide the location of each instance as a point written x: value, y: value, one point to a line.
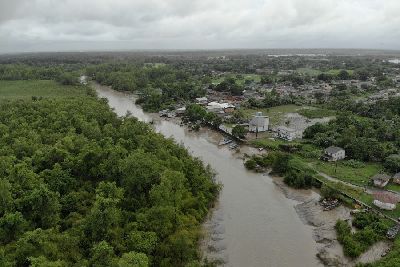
x: 308, y: 71
x: 40, y: 88
x: 360, y: 176
x: 315, y: 72
x: 244, y: 77
x: 336, y: 71
x: 314, y: 113
x: 271, y: 144
x: 275, y: 114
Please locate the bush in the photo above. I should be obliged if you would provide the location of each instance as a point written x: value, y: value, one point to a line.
x: 250, y: 164
x: 329, y: 192
x: 354, y: 164
x: 298, y: 179
x: 372, y: 229
x: 392, y: 163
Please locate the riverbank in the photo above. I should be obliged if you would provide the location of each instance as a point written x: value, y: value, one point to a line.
x: 257, y: 225
x: 253, y: 224
x: 329, y: 250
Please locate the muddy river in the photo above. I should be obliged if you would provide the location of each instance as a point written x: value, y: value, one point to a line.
x: 253, y: 224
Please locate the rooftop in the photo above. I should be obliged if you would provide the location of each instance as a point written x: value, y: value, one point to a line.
x: 386, y: 197
x: 333, y: 149
x: 381, y: 176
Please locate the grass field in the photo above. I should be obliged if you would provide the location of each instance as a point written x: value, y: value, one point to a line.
x: 359, y: 176
x: 336, y: 71
x: 39, y: 88
x: 314, y: 72
x: 244, y: 77
x: 308, y: 71
x: 275, y: 114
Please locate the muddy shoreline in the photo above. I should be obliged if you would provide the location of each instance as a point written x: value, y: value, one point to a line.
x: 306, y: 205
x: 251, y: 208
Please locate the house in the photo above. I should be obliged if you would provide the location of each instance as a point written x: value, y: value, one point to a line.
x: 259, y: 123
x: 334, y: 153
x: 396, y: 178
x: 381, y: 180
x: 219, y: 107
x: 180, y: 111
x: 202, y: 100
x: 288, y: 134
x: 385, y: 200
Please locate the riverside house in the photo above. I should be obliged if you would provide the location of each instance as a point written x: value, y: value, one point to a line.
x: 396, y: 178
x: 381, y: 180
x: 334, y: 153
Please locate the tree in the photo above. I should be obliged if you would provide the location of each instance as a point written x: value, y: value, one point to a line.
x: 44, y: 262
x: 41, y: 206
x: 102, y: 255
x: 343, y: 75
x: 239, y: 131
x: 325, y: 77
x: 105, y: 212
x: 171, y: 192
x: 142, y: 241
x: 6, y: 199
x: 12, y: 225
x: 195, y: 113
x: 392, y: 163
x: 266, y: 79
x: 281, y: 161
x: 133, y: 259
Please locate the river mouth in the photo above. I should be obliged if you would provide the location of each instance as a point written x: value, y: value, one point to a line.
x: 253, y: 223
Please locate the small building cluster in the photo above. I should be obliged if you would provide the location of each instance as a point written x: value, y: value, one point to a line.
x: 381, y: 179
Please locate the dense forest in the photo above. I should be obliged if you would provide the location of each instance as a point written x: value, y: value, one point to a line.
x: 159, y: 87
x: 81, y: 187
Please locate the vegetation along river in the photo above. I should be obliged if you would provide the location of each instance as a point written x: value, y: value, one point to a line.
x: 253, y: 224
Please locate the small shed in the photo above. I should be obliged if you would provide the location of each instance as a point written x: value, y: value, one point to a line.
x: 396, y: 178
x: 385, y: 200
x: 381, y: 180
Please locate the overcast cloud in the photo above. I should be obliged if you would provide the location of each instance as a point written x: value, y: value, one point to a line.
x: 59, y: 25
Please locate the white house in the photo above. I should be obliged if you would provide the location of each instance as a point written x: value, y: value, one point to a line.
x: 259, y: 123
x: 381, y: 180
x: 288, y: 134
x: 334, y: 153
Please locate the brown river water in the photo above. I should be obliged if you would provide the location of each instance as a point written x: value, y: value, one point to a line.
x: 253, y: 224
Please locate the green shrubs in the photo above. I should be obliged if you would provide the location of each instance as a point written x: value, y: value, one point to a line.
x: 250, y: 164
x: 371, y: 229
x: 299, y: 179
x: 296, y: 173
x: 354, y: 164
x: 329, y: 192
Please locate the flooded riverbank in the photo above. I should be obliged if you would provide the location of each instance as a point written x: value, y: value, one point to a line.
x: 253, y: 224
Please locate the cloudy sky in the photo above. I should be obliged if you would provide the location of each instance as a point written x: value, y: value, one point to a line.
x: 65, y: 25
